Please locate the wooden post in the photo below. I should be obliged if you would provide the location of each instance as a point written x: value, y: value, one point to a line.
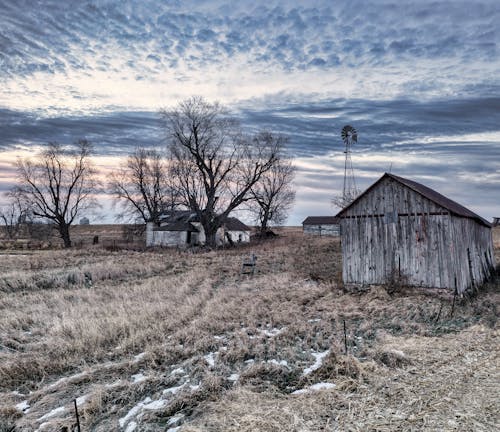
x: 345, y: 338
x: 454, y: 299
x: 77, y: 417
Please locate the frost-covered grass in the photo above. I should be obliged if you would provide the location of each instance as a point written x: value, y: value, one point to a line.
x: 171, y: 340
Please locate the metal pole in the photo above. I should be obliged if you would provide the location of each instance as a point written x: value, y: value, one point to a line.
x: 77, y: 417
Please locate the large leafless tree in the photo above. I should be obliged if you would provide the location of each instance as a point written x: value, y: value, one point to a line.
x: 141, y: 187
x: 214, y: 165
x: 273, y: 195
x: 58, y: 184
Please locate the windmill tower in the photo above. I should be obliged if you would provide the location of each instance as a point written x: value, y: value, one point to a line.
x: 349, y: 191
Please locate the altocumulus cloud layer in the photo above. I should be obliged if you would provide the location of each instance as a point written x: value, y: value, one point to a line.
x: 419, y: 80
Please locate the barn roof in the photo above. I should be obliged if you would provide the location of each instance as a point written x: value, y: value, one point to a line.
x: 320, y: 220
x: 452, y: 206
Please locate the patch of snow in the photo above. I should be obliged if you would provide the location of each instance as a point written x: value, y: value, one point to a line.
x: 155, y: 405
x: 177, y: 371
x: 42, y: 426
x: 314, y: 320
x: 137, y: 378
x: 278, y: 363
x: 174, y: 429
x: 133, y: 412
x: 174, y: 390
x: 210, y: 358
x: 219, y: 337
x: 115, y: 384
x: 319, y: 356
x: 175, y: 419
x: 194, y: 387
x: 65, y: 379
x: 16, y: 393
x: 249, y: 361
x: 53, y: 413
x: 273, y: 332
x: 139, y: 357
x: 315, y: 387
x: 234, y: 377
x: 82, y: 399
x: 23, y: 406
x: 131, y: 427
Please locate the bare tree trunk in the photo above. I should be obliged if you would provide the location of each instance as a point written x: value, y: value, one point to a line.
x: 64, y: 232
x: 210, y: 235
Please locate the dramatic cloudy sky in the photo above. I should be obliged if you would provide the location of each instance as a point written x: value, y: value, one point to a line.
x: 419, y: 80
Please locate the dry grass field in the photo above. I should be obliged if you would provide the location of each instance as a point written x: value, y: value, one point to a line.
x: 182, y: 342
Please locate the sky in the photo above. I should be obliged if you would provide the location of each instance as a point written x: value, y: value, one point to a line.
x: 419, y: 80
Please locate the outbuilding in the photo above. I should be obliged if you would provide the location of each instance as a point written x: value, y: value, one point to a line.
x: 321, y: 225
x: 401, y: 228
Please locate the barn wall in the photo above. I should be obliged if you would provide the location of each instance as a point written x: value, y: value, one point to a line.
x: 394, y: 230
x: 323, y: 230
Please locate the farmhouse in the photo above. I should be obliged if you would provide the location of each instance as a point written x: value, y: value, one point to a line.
x: 182, y: 228
x: 401, y: 228
x: 321, y: 225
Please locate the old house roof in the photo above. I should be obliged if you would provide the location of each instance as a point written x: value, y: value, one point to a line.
x: 452, y: 206
x: 177, y: 226
x: 234, y: 224
x: 321, y: 220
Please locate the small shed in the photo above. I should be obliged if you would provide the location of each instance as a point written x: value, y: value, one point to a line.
x: 321, y: 225
x: 401, y: 228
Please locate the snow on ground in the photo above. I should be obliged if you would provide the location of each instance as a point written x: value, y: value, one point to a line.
x: 137, y: 378
x: 315, y: 387
x: 319, y: 356
x: 234, y: 377
x: 134, y: 411
x: 175, y: 419
x: 174, y: 429
x: 210, y: 358
x: 55, y: 412
x: 278, y: 362
x: 82, y: 399
x: 178, y: 371
x: 273, y: 332
x: 67, y: 379
x: 23, y: 406
x: 132, y: 426
x: 139, y: 357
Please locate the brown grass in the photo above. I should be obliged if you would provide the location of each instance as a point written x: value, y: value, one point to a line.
x: 236, y: 347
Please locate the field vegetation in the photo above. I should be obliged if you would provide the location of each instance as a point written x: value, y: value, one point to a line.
x: 179, y: 341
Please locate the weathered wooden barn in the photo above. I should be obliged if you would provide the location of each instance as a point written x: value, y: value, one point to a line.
x: 321, y: 225
x: 401, y: 228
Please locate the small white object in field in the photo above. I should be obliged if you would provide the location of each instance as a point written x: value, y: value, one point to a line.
x: 174, y: 390
x: 319, y: 356
x: 177, y: 371
x: 278, y: 363
x: 273, y: 332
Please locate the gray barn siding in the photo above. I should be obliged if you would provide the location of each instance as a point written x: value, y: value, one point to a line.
x: 322, y: 230
x: 424, y: 242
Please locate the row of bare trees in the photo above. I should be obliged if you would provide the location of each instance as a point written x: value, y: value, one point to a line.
x: 210, y: 167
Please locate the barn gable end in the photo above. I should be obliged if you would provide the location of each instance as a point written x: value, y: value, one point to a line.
x: 400, y: 228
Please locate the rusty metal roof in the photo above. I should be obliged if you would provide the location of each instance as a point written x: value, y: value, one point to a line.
x: 452, y: 206
x: 321, y: 220
x: 234, y: 224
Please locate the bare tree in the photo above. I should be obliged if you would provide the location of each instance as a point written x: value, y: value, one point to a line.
x: 273, y: 194
x: 214, y: 166
x: 58, y: 184
x: 12, y: 215
x: 141, y: 186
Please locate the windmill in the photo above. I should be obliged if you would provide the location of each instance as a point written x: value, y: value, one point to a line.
x: 349, y: 190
